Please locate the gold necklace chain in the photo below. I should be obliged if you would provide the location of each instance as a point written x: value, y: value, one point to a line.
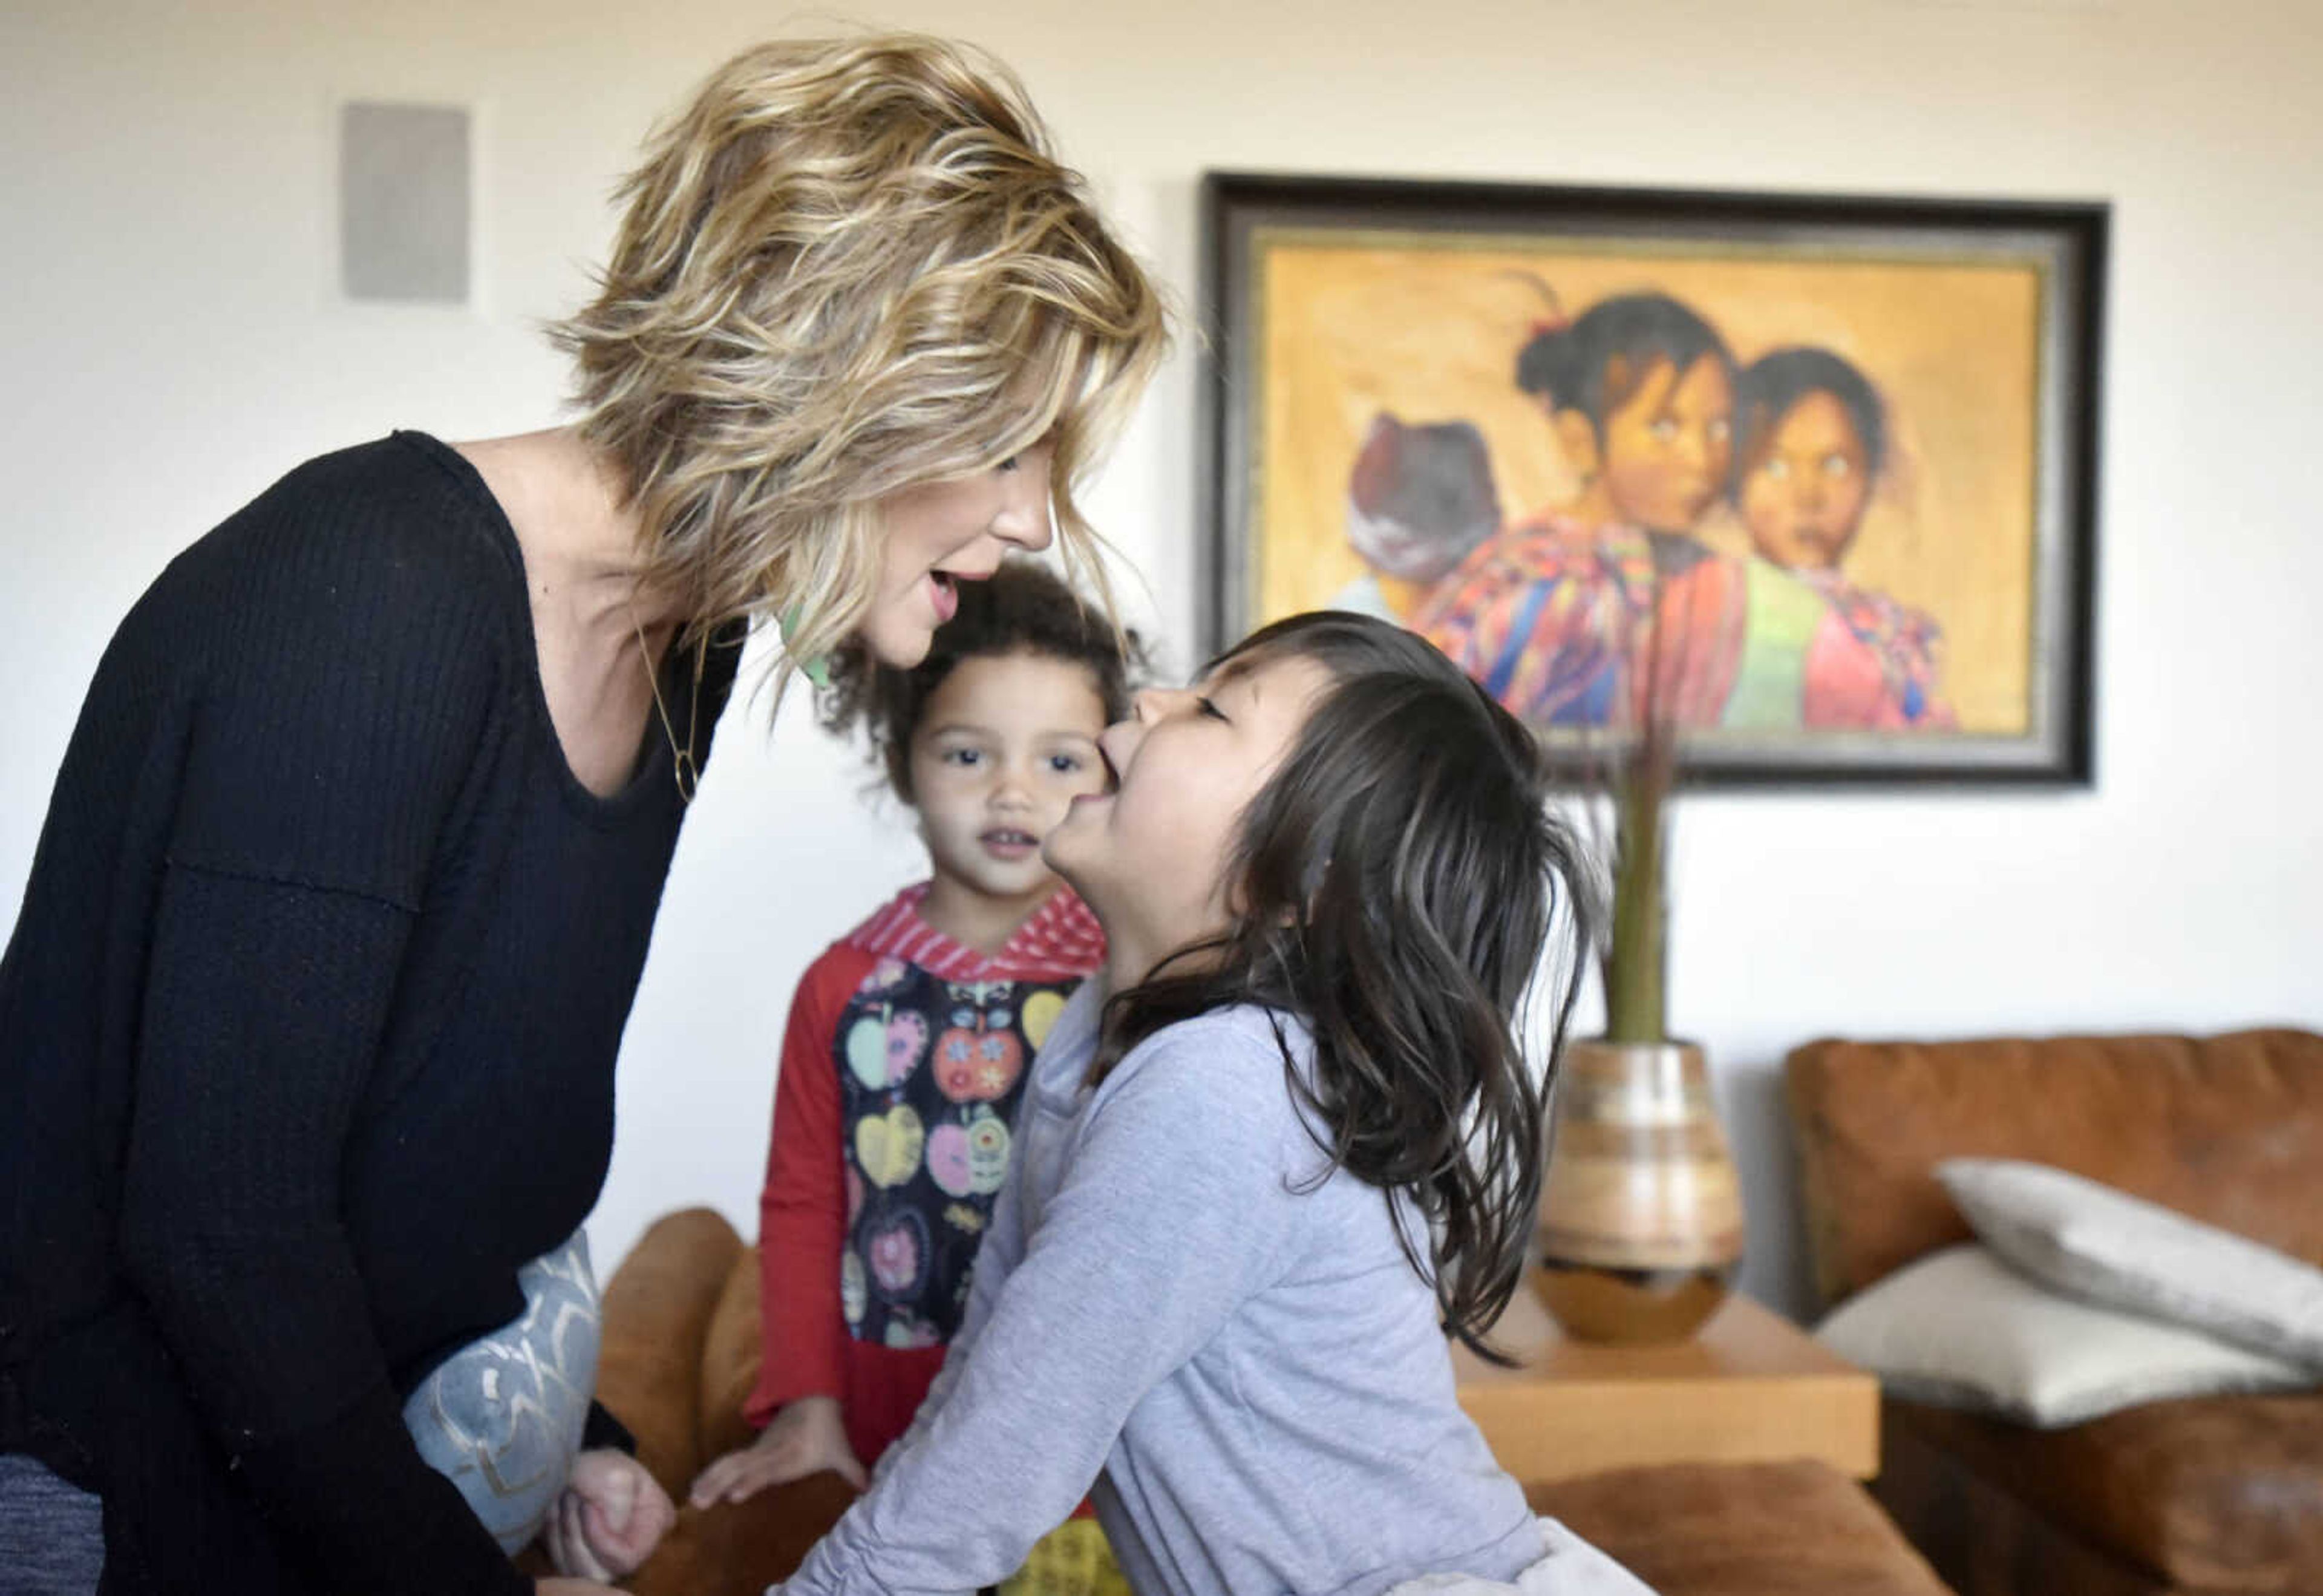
x: 682, y: 765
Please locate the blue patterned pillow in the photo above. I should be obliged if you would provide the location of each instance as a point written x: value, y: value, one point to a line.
x: 501, y: 1418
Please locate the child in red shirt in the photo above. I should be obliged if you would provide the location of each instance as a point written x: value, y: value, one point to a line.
x: 910, y: 1039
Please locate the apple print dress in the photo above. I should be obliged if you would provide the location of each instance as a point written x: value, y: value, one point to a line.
x: 904, y: 1063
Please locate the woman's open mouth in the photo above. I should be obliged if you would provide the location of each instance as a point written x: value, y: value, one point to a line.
x: 943, y: 588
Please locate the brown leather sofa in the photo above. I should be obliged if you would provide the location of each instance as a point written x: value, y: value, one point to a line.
x: 680, y: 1353
x: 2212, y: 1494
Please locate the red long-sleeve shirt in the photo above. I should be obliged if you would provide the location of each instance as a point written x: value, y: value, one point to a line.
x: 805, y: 1213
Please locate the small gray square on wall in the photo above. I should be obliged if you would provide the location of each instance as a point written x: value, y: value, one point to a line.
x: 403, y: 202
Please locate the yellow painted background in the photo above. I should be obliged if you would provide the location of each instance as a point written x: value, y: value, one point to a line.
x: 1430, y: 328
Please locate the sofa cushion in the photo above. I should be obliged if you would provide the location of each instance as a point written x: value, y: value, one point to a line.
x: 740, y: 1548
x: 2088, y: 1239
x: 2228, y: 1129
x: 1961, y: 1329
x: 731, y: 1347
x: 657, y: 1307
x: 1739, y: 1529
x: 2221, y: 1493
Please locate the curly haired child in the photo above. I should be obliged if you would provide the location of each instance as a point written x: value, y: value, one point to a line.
x: 906, y: 1051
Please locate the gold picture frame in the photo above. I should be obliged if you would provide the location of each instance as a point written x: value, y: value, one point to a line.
x: 1379, y: 432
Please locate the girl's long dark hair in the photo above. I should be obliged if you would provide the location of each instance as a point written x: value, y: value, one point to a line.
x: 1400, y: 879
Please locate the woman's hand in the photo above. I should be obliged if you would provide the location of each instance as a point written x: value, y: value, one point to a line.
x: 565, y: 1587
x: 806, y: 1437
x: 609, y: 1519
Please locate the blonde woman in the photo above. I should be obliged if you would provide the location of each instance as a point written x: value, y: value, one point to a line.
x: 308, y: 1022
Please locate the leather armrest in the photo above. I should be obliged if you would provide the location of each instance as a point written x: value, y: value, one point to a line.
x: 658, y: 1310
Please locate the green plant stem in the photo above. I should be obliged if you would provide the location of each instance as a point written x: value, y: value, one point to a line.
x: 1635, y: 1007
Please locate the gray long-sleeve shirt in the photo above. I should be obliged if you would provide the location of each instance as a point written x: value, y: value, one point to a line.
x: 1167, y: 1307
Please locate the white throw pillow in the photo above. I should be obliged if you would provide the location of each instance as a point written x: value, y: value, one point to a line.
x: 501, y: 1418
x: 1960, y: 1329
x: 2093, y: 1240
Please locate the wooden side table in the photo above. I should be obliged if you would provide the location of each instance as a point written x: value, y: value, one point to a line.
x: 1749, y: 1387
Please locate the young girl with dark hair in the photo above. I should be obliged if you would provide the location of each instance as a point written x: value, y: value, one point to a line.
x: 1283, y: 1145
x: 1812, y: 439
x: 904, y: 1056
x: 1639, y: 393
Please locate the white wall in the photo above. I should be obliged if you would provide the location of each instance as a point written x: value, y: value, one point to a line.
x: 173, y: 342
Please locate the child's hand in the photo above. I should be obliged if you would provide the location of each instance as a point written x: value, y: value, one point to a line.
x: 806, y: 1437
x: 610, y: 1516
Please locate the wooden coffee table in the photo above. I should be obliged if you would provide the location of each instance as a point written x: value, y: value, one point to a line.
x: 1749, y: 1387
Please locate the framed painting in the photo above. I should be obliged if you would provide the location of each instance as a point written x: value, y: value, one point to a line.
x: 1814, y: 475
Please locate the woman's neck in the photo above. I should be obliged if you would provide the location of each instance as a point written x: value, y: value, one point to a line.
x: 579, y: 536
x: 597, y: 635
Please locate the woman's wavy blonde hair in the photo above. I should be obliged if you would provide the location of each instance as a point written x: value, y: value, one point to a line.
x: 851, y: 266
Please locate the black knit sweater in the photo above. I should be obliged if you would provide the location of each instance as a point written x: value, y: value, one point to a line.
x: 308, y: 1029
